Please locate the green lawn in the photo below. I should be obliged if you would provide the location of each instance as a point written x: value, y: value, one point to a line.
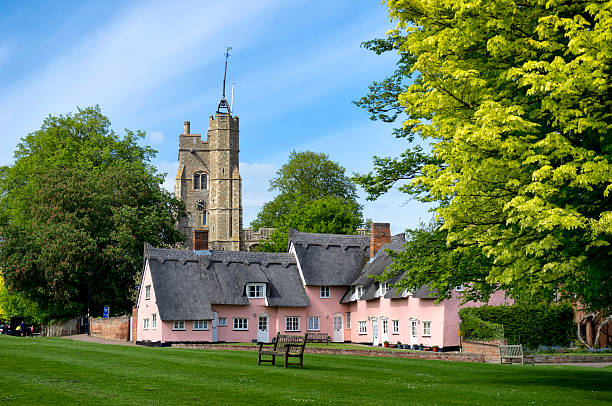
x: 46, y: 371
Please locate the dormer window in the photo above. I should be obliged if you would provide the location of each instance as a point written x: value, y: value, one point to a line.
x: 359, y: 290
x: 384, y: 288
x: 325, y: 292
x: 256, y: 290
x: 200, y: 180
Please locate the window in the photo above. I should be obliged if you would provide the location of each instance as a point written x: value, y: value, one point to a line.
x: 256, y: 290
x: 148, y: 292
x: 201, y: 206
x: 154, y: 320
x: 199, y: 181
x: 145, y: 324
x: 348, y: 319
x: 363, y: 327
x: 427, y: 328
x: 200, y: 324
x: 241, y: 324
x: 222, y: 321
x: 359, y: 290
x: 178, y: 325
x: 325, y: 293
x: 395, y: 326
x: 292, y: 323
x: 459, y: 288
x: 385, y: 326
x: 313, y: 323
x: 384, y: 288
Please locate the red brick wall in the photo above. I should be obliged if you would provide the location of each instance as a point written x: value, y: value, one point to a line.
x: 134, y: 323
x: 379, y: 236
x: 486, y: 348
x: 113, y: 328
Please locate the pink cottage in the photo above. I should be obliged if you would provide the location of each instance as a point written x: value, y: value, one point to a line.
x: 323, y: 284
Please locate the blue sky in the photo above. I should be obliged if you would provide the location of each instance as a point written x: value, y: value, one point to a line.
x: 152, y: 65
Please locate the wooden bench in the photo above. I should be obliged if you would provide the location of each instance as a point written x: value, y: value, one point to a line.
x: 318, y: 338
x: 286, y: 346
x: 511, y: 352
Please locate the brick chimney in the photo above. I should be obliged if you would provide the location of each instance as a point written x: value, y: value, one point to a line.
x: 187, y: 126
x: 379, y: 236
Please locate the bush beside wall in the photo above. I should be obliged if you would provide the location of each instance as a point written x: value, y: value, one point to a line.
x: 531, y: 325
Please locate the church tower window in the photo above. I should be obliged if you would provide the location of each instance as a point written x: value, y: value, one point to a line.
x: 199, y: 180
x: 201, y: 207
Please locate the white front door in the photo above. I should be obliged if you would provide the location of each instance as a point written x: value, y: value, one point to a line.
x: 263, y: 330
x: 215, y: 324
x: 375, y: 339
x: 413, y: 332
x: 338, y: 328
x: 385, y: 329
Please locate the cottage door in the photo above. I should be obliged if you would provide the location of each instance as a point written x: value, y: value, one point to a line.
x: 375, y: 339
x: 413, y: 332
x: 215, y: 323
x: 385, y: 329
x: 338, y: 328
x: 263, y: 330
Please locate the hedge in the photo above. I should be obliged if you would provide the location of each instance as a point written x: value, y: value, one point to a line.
x: 532, y: 325
x: 475, y: 328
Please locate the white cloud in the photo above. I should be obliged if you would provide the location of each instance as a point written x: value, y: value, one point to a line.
x: 255, y: 182
x: 156, y: 137
x: 121, y: 66
x: 170, y: 169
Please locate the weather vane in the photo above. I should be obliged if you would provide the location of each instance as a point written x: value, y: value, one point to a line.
x: 223, y: 102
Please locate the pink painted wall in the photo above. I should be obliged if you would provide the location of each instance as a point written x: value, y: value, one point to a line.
x: 402, y: 310
x: 146, y: 307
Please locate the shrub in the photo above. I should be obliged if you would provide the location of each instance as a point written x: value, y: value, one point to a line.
x: 474, y: 328
x: 532, y: 325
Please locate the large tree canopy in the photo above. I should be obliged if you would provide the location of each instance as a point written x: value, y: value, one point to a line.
x: 515, y: 98
x: 314, y: 195
x: 77, y: 206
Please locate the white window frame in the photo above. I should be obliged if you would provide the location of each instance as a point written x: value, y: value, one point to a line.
x: 240, y: 324
x: 426, y: 328
x: 147, y: 292
x: 259, y: 290
x: 200, y: 325
x: 154, y: 321
x: 363, y: 327
x: 314, y: 323
x: 145, y: 324
x: 385, y: 326
x: 222, y: 322
x: 348, y: 320
x: 395, y: 324
x: 291, y: 320
x: 459, y: 288
x: 384, y: 288
x: 178, y: 325
x: 325, y: 292
x: 359, y: 291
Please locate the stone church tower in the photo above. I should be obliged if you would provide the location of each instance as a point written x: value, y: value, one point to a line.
x: 208, y: 181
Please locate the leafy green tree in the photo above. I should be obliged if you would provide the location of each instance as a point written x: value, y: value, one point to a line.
x: 515, y: 99
x: 76, y: 207
x: 314, y: 195
x: 15, y: 304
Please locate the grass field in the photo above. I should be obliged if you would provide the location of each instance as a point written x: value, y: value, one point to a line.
x: 55, y: 371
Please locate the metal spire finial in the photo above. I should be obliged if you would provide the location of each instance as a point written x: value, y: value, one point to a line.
x: 223, y: 102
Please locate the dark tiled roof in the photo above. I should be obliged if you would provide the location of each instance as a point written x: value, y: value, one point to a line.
x: 325, y: 240
x: 329, y: 259
x: 187, y: 285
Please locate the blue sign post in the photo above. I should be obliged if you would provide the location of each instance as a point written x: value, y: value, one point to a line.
x: 106, y: 311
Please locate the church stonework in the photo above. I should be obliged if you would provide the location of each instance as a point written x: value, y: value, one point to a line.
x: 208, y: 181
